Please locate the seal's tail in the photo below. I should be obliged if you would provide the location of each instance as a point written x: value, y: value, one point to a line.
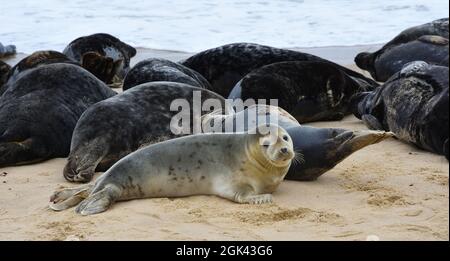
x: 67, y: 198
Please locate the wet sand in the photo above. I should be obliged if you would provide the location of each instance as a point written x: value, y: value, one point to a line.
x: 388, y: 191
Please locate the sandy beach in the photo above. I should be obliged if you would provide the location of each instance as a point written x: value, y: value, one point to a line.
x: 388, y: 191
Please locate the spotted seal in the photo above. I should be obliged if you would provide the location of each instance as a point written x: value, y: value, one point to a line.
x: 241, y: 167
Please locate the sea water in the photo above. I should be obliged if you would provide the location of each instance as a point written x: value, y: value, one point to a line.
x: 195, y: 25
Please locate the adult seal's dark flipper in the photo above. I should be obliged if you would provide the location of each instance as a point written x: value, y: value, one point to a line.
x: 413, y: 104
x: 224, y: 66
x: 114, y: 128
x: 39, y: 110
x: 324, y: 148
x: 310, y: 91
x: 156, y: 70
x: 104, y: 55
x: 7, y: 50
x: 428, y: 42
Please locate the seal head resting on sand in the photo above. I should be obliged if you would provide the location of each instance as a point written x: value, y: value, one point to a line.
x: 242, y: 167
x: 413, y: 104
x: 103, y: 55
x: 318, y: 150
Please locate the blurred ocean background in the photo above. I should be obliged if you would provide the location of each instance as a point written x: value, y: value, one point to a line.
x: 195, y: 25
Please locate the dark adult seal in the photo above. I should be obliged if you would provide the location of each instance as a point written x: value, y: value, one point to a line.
x: 7, y: 50
x: 427, y: 42
x: 155, y: 70
x: 413, y: 104
x: 39, y: 110
x: 224, y: 66
x: 104, y: 55
x: 310, y: 91
x: 112, y: 129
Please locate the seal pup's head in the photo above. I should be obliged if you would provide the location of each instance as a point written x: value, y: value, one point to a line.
x: 273, y: 146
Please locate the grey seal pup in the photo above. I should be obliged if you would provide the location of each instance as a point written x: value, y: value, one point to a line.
x: 241, y: 167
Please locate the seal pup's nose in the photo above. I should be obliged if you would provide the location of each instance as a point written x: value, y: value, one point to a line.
x: 284, y: 150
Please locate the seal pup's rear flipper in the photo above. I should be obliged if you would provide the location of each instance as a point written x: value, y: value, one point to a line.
x: 67, y: 198
x: 16, y: 153
x: 99, y: 201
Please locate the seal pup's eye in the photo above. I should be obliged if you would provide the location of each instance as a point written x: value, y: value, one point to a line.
x: 286, y: 138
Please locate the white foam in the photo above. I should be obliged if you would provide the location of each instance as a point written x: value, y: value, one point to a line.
x: 189, y: 25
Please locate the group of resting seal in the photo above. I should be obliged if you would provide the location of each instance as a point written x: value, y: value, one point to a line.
x: 130, y: 137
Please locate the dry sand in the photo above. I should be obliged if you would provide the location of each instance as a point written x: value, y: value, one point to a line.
x: 389, y: 191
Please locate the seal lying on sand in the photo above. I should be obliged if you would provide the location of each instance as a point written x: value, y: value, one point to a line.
x: 242, y: 167
x: 310, y: 91
x: 427, y: 42
x: 155, y: 70
x: 7, y: 50
x: 224, y: 66
x: 318, y: 149
x: 390, y: 60
x: 4, y: 73
x: 103, y: 55
x: 112, y: 129
x: 39, y: 110
x: 413, y: 104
